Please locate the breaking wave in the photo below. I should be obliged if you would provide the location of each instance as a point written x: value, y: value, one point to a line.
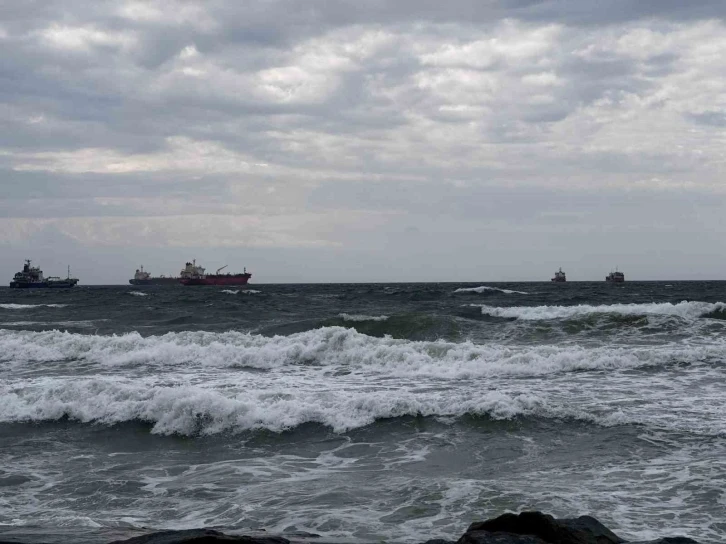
x: 194, y: 383
x: 684, y: 310
x: 193, y: 410
x: 484, y: 289
x: 26, y: 306
x: 230, y: 291
x: 332, y: 350
x: 138, y: 294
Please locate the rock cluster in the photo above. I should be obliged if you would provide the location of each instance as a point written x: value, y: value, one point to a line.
x: 524, y: 528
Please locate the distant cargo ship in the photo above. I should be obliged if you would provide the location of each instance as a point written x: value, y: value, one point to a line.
x: 31, y: 277
x: 559, y: 276
x: 615, y: 277
x: 142, y: 277
x: 195, y: 275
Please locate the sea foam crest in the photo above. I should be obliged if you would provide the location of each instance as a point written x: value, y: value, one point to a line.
x: 138, y: 294
x: 191, y: 410
x: 685, y: 310
x: 362, y: 317
x: 485, y: 288
x: 201, y: 382
x: 327, y: 351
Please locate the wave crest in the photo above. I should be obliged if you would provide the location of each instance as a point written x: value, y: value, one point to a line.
x: 485, y: 288
x: 685, y: 310
x: 359, y: 317
x: 194, y: 410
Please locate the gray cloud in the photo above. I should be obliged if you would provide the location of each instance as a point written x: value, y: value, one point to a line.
x: 344, y: 132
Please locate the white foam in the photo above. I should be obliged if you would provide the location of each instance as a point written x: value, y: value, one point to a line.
x: 138, y: 294
x: 83, y: 324
x: 198, y: 382
x: 243, y: 291
x: 485, y: 288
x: 685, y: 310
x: 26, y: 306
x: 193, y: 410
x: 361, y: 317
x: 333, y: 349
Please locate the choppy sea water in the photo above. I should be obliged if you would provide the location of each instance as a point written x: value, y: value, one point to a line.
x: 362, y: 412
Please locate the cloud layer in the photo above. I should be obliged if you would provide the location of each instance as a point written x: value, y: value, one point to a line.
x: 372, y: 130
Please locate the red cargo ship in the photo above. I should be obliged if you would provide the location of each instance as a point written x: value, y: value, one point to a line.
x: 192, y: 274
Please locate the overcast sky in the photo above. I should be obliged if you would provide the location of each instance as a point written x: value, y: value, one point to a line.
x: 366, y: 140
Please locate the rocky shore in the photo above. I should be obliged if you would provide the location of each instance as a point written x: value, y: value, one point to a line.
x: 523, y: 528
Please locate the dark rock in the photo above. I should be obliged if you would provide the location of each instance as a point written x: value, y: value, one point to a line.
x: 439, y: 541
x: 582, y: 530
x: 485, y: 537
x: 199, y: 536
x: 301, y: 534
x: 668, y: 540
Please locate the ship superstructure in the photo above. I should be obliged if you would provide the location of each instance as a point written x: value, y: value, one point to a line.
x: 192, y: 274
x: 142, y: 277
x: 559, y: 276
x: 31, y: 277
x: 615, y: 277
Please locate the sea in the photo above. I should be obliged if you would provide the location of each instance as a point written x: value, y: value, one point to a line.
x: 362, y: 412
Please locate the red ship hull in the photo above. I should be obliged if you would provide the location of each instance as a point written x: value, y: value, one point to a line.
x: 221, y: 279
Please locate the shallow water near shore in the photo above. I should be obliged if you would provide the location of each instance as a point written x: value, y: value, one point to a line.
x: 362, y: 412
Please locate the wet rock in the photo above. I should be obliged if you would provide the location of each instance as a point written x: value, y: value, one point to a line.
x: 486, y: 537
x: 667, y: 540
x: 199, y: 536
x: 582, y: 530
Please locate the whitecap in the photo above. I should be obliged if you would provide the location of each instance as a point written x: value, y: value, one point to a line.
x: 685, y: 310
x: 485, y: 288
x: 361, y: 317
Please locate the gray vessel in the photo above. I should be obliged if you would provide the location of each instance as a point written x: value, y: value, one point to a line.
x: 31, y: 277
x: 615, y: 277
x: 142, y: 277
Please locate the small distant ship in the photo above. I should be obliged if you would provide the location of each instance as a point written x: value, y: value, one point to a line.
x: 192, y: 274
x: 142, y: 277
x: 615, y: 277
x: 559, y: 276
x: 31, y: 277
